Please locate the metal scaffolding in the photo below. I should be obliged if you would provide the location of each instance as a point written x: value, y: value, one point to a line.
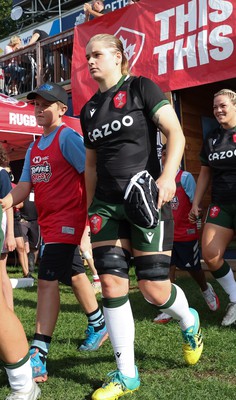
x: 40, y: 10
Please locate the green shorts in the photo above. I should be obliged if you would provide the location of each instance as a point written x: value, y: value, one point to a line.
x: 222, y: 214
x: 109, y: 222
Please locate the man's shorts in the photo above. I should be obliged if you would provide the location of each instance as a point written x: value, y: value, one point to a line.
x: 186, y: 255
x: 17, y: 229
x: 222, y: 214
x: 1, y: 231
x: 4, y: 229
x: 31, y: 233
x: 109, y: 222
x: 60, y: 262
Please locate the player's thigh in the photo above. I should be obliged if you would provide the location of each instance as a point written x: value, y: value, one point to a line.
x: 215, y: 239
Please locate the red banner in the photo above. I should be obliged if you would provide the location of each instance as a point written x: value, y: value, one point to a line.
x: 18, y: 127
x: 176, y: 43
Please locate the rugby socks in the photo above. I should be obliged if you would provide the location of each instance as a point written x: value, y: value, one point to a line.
x: 96, y: 279
x: 20, y: 375
x: 96, y: 320
x: 177, y: 307
x: 225, y: 277
x: 120, y: 326
x: 41, y: 342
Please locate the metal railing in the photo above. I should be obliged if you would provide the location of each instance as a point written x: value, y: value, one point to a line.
x: 47, y: 60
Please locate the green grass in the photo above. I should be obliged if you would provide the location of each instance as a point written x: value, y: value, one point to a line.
x: 75, y: 375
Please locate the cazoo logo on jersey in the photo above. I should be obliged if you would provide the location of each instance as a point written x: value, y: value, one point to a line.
x: 108, y: 129
x: 133, y: 42
x: 38, y: 159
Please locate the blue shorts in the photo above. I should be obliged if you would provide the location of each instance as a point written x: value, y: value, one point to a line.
x: 186, y: 255
x: 60, y: 262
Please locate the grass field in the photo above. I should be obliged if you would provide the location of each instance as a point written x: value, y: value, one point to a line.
x: 75, y: 375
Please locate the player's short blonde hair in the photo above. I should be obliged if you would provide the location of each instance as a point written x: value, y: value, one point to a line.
x: 227, y: 92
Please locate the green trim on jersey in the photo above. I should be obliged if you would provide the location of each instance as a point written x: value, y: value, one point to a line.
x: 157, y: 107
x: 121, y: 81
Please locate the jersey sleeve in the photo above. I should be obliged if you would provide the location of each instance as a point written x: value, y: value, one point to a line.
x: 72, y: 148
x: 188, y: 184
x: 152, y: 96
x: 5, y: 183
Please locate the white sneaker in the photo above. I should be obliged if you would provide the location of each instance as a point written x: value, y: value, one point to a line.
x: 230, y: 316
x: 97, y: 287
x: 33, y: 394
x: 211, y: 298
x: 162, y: 318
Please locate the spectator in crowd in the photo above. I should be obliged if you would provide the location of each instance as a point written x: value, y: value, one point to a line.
x: 14, y: 350
x: 218, y: 168
x: 8, y: 229
x: 13, y: 45
x: 60, y: 199
x: 185, y: 253
x: 18, y: 234
x: 20, y: 242
x: 94, y: 10
x: 132, y: 108
x: 86, y: 250
x: 38, y: 35
x: 30, y: 229
x: 13, y: 72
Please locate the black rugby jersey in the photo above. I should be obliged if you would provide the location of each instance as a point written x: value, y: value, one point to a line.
x: 219, y: 153
x: 118, y: 125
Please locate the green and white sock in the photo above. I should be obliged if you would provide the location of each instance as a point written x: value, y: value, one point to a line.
x: 20, y: 375
x: 120, y: 325
x: 225, y: 277
x: 178, y: 308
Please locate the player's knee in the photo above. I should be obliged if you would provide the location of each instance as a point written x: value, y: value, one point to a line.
x: 112, y: 260
x: 152, y: 267
x: 211, y: 257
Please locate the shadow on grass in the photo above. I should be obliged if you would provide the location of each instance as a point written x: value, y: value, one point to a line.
x: 66, y: 366
x: 143, y: 310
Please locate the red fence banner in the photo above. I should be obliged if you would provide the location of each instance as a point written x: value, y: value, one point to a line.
x: 176, y: 43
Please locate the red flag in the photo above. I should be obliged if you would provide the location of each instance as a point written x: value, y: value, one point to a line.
x: 177, y: 44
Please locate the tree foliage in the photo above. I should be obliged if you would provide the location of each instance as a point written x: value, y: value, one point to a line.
x: 7, y: 26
